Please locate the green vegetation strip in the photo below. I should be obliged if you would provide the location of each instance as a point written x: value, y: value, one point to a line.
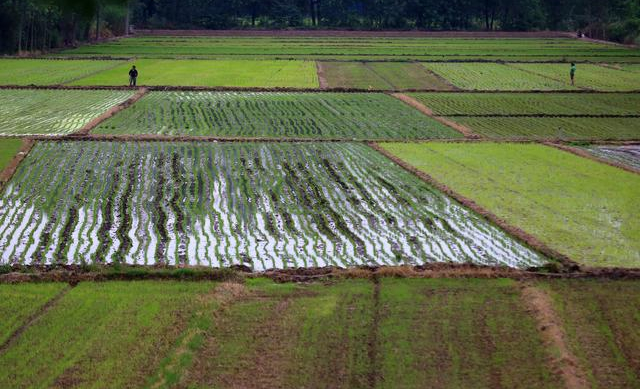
x: 576, y: 206
x: 359, y: 48
x: 601, y: 320
x: 231, y: 73
x: 97, y: 329
x: 48, y: 71
x: 53, y: 112
x: 587, y: 76
x: 8, y: 150
x: 262, y: 205
x: 262, y: 114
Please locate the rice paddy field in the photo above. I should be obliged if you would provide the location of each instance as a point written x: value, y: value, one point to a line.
x: 273, y: 114
x: 321, y: 212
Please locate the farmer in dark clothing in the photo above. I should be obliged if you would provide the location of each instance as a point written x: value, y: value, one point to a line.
x: 572, y: 73
x: 133, y: 76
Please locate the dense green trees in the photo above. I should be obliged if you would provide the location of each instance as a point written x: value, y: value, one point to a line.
x: 27, y: 25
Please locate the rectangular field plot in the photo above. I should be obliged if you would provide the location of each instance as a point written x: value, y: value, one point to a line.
x: 601, y: 320
x: 381, y: 75
x: 238, y: 73
x: 262, y: 114
x: 265, y: 206
x: 587, y: 76
x: 49, y: 71
x: 429, y: 326
x: 563, y: 128
x: 371, y: 48
x: 53, y: 112
x: 470, y: 104
x: 626, y: 155
x: 493, y: 76
x: 8, y: 149
x: 581, y: 208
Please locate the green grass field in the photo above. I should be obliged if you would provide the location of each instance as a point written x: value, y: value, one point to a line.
x: 238, y: 73
x: 254, y: 114
x: 381, y: 75
x: 579, y: 207
x: 587, y: 76
x: 49, y: 71
x: 601, y: 320
x: 359, y: 48
x: 8, y: 150
x: 563, y: 128
x: 53, y: 112
x: 469, y: 104
x: 459, y: 334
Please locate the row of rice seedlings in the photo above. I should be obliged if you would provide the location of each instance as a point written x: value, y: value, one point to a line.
x: 258, y: 205
x: 255, y: 114
x: 53, y: 112
x: 627, y: 155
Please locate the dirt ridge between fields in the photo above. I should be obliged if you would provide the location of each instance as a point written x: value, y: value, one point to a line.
x: 464, y: 130
x: 10, y: 169
x: 322, y: 78
x: 566, y: 364
x: 33, y: 318
x: 588, y: 155
x: 514, y: 231
x: 86, y: 129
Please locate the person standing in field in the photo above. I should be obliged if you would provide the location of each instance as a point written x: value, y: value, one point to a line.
x: 572, y: 73
x: 133, y: 76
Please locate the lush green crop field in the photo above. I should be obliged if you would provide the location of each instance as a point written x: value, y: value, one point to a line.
x: 460, y: 334
x: 8, y: 149
x: 19, y: 302
x: 266, y: 206
x: 628, y: 155
x: 48, y: 71
x: 493, y: 76
x: 587, y: 76
x: 601, y: 320
x: 565, y: 128
x: 360, y: 48
x: 53, y: 112
x: 255, y: 114
x: 381, y: 75
x: 631, y: 68
x: 579, y: 207
x: 97, y: 329
x: 469, y: 104
x: 241, y: 73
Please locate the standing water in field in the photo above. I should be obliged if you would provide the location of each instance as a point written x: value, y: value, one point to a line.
x: 261, y: 205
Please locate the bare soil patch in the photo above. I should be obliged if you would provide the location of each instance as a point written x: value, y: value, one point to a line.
x: 322, y: 77
x: 566, y: 364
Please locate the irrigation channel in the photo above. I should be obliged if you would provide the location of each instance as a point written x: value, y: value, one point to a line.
x: 262, y: 205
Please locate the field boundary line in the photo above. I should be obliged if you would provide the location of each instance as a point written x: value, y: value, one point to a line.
x: 540, y: 305
x: 13, y: 338
x: 86, y: 129
x: 10, y: 170
x: 585, y: 154
x: 544, y: 115
x: 514, y: 231
x: 439, y: 77
x: 465, y: 131
x: 322, y: 79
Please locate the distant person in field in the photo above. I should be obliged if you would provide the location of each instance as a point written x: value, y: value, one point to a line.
x: 133, y: 76
x: 572, y: 73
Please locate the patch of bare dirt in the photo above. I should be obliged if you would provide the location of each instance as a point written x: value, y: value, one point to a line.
x: 566, y: 364
x: 322, y: 76
x: 465, y: 131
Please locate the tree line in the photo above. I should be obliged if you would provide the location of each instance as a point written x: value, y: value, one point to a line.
x: 32, y: 25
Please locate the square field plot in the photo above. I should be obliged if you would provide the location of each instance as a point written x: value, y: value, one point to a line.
x: 626, y: 155
x: 587, y: 76
x: 266, y: 114
x: 381, y: 75
x: 53, y: 112
x: 272, y: 205
x: 232, y: 73
x: 49, y: 71
x: 579, y: 207
x: 8, y: 149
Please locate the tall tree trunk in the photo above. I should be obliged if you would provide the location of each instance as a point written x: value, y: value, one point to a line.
x: 98, y: 21
x: 127, y: 19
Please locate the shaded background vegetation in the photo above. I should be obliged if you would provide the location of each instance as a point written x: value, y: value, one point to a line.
x: 31, y: 25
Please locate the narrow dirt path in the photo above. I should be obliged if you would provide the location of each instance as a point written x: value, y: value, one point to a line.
x: 566, y: 364
x: 33, y: 318
x: 10, y: 170
x: 466, y: 131
x: 322, y: 76
x: 586, y: 154
x: 86, y: 129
